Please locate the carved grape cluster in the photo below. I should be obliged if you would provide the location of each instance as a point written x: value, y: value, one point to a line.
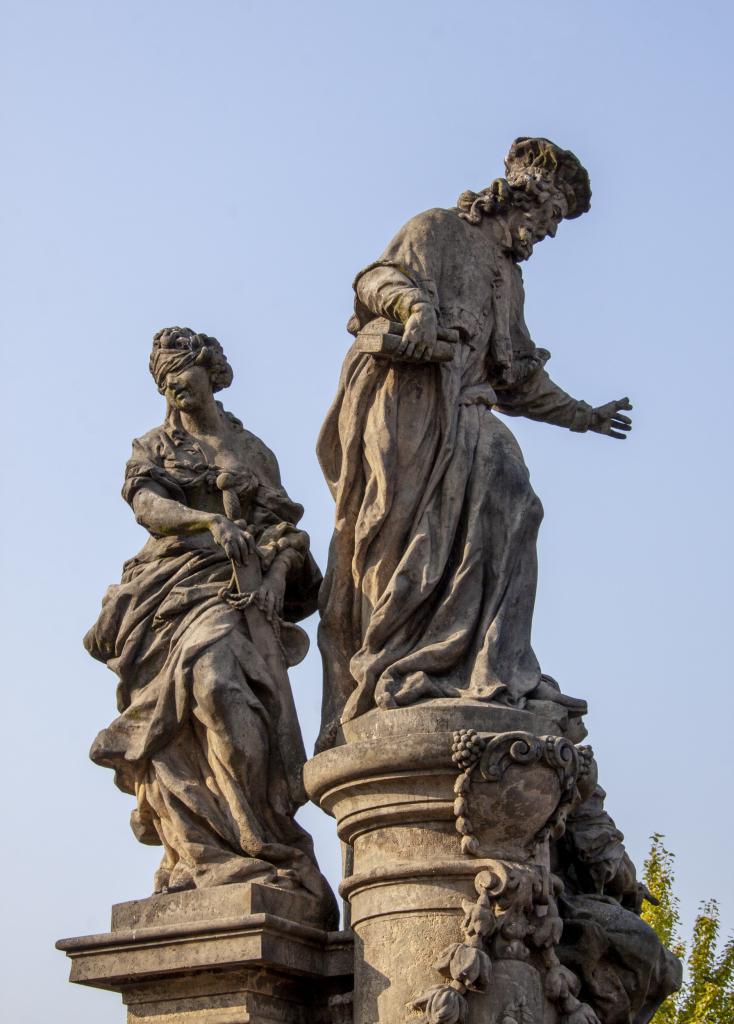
x: 467, y: 748
x: 466, y: 751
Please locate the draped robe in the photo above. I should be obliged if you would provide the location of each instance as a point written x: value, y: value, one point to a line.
x: 207, y: 737
x: 431, y: 578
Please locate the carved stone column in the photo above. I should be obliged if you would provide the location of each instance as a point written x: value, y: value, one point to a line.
x: 448, y: 807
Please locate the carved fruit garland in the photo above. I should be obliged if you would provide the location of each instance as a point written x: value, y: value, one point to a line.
x: 465, y: 965
x: 493, y: 757
x: 467, y: 749
x: 515, y: 907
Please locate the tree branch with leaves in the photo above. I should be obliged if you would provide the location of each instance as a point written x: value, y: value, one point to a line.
x: 707, y: 995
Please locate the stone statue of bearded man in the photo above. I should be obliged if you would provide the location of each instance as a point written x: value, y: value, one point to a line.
x: 432, y: 570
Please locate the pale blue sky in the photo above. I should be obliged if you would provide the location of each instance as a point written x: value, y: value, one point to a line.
x: 229, y: 166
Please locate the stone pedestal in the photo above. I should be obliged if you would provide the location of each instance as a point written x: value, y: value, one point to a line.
x: 447, y: 807
x: 236, y: 954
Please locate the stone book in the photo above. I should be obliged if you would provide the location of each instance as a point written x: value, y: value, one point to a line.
x: 383, y: 338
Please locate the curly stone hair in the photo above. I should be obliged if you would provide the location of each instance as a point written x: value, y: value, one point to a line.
x: 175, y: 348
x: 534, y: 168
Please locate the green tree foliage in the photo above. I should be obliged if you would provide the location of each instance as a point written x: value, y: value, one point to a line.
x: 707, y: 996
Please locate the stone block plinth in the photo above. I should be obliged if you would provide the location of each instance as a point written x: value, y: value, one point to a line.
x: 235, y: 954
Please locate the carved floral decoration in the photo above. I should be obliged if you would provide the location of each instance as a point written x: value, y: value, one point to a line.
x: 492, y: 757
x: 515, y: 916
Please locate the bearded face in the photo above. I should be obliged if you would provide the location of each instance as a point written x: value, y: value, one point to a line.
x: 538, y: 221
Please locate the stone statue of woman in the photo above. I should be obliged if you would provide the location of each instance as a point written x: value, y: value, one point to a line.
x: 200, y: 633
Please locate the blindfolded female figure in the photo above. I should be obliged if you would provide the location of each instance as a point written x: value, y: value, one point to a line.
x: 200, y: 633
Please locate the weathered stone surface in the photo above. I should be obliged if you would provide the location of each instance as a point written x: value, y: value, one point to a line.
x: 200, y: 633
x: 431, y: 580
x: 217, y: 903
x: 465, y: 879
x: 486, y: 882
x: 227, y: 955
x: 467, y: 901
x: 446, y: 715
x: 394, y: 799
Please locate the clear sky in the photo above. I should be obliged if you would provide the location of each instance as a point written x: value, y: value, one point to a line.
x: 229, y: 166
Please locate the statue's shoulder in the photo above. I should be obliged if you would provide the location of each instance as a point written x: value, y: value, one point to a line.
x: 151, y: 437
x: 435, y: 228
x: 153, y: 441
x: 163, y: 443
x: 436, y: 219
x: 437, y: 215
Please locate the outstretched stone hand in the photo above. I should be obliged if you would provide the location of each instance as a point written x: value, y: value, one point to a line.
x: 607, y: 419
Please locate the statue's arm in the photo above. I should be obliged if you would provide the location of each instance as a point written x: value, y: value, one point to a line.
x: 540, y: 398
x: 164, y: 517
x: 389, y: 293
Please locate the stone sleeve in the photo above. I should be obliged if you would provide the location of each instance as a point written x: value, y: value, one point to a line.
x: 540, y: 398
x: 389, y: 293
